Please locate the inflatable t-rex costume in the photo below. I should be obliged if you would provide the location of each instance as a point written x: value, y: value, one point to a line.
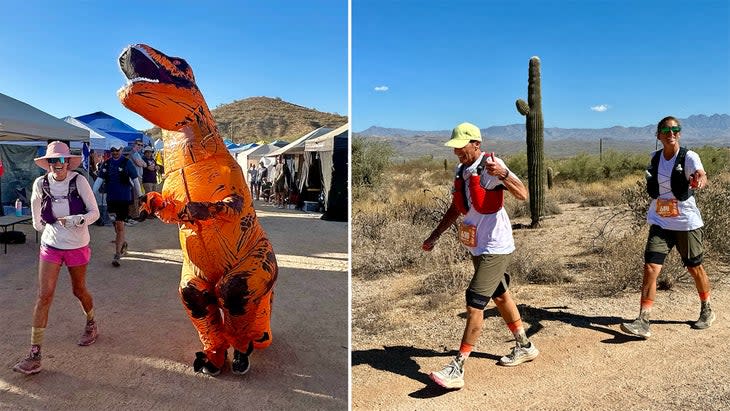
x: 229, y: 266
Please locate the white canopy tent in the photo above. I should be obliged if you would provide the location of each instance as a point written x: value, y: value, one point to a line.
x: 22, y: 122
x: 297, y: 146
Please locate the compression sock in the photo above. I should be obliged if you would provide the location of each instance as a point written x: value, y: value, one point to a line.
x: 518, y: 331
x: 645, y: 310
x: 465, y: 350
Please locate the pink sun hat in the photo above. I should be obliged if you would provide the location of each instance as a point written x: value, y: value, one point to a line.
x: 57, y: 149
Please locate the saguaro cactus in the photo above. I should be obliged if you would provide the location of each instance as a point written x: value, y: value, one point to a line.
x: 532, y: 110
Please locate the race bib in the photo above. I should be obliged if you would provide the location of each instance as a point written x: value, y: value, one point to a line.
x: 667, y: 207
x: 468, y: 235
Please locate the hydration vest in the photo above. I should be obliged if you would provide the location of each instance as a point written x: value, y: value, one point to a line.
x: 76, y: 204
x: 485, y: 201
x: 678, y: 180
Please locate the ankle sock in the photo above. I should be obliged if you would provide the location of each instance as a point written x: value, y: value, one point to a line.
x: 36, y: 335
x: 90, y: 315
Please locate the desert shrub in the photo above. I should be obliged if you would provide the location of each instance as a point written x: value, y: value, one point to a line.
x: 714, y: 204
x: 588, y: 168
x: 621, y: 265
x: 388, y: 237
x: 369, y: 160
x: 528, y: 267
x: 715, y: 160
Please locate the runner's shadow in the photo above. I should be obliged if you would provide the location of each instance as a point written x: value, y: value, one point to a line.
x: 536, y: 316
x: 401, y: 360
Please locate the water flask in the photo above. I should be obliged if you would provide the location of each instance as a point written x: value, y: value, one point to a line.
x: 18, y: 208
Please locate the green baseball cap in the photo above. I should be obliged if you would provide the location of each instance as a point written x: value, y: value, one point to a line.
x: 463, y: 134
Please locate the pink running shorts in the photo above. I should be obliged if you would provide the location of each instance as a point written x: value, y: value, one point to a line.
x: 72, y: 258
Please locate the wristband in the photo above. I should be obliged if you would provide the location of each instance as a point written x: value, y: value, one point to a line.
x: 505, y: 176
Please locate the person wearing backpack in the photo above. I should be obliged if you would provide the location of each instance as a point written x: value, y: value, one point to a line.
x: 486, y: 232
x: 119, y: 175
x: 62, y: 206
x: 673, y: 175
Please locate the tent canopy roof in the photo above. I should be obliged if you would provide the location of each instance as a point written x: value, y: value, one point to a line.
x: 22, y: 122
x: 326, y: 142
x: 297, y: 146
x: 112, y: 125
x: 99, y: 139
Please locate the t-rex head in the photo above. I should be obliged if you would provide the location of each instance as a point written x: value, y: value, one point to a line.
x: 160, y: 88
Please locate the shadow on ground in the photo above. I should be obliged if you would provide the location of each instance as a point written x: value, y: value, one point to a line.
x: 401, y: 360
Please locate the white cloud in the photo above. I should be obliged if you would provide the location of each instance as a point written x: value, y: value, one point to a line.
x: 600, y: 108
x: 381, y: 88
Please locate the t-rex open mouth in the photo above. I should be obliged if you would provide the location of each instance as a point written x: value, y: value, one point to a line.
x: 137, y: 65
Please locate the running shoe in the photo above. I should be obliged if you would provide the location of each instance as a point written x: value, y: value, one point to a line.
x: 29, y: 365
x: 519, y: 354
x: 637, y: 328
x: 452, y: 376
x: 707, y: 317
x: 115, y: 260
x: 90, y: 334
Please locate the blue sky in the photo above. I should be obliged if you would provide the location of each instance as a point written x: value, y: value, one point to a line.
x: 61, y: 56
x: 431, y: 65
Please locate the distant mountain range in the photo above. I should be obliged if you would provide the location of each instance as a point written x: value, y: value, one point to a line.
x: 266, y: 118
x: 697, y: 130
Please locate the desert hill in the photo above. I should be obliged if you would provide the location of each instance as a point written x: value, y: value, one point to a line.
x: 266, y: 118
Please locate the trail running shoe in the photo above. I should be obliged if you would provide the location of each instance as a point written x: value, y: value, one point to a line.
x: 115, y: 260
x: 452, y: 376
x: 29, y: 365
x: 707, y: 317
x: 519, y: 354
x: 637, y: 328
x: 124, y: 248
x: 89, y: 335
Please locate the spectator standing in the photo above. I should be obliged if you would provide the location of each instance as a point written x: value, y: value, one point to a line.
x: 253, y: 175
x: 139, y: 164
x: 149, y: 172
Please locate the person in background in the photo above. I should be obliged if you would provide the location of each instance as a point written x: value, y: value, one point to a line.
x: 136, y: 156
x: 281, y: 181
x: 62, y: 206
x: 253, y: 174
x: 261, y: 179
x: 149, y: 172
x: 486, y: 232
x: 119, y: 176
x: 673, y: 174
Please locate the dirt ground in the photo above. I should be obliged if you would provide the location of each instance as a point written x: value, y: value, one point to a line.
x: 143, y: 357
x: 585, y: 361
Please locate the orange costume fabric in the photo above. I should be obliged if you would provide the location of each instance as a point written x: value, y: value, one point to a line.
x: 229, y: 267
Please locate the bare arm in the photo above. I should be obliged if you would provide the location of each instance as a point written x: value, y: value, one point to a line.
x: 509, y: 180
x: 448, y: 219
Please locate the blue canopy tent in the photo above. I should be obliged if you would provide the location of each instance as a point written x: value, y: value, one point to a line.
x: 113, y: 126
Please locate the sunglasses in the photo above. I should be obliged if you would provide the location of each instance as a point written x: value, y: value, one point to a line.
x: 666, y: 130
x: 56, y: 160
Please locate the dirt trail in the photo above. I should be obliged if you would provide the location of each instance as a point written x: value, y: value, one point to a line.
x: 142, y: 359
x: 586, y: 362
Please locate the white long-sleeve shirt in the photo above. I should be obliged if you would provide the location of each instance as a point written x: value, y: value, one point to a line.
x: 70, y: 236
